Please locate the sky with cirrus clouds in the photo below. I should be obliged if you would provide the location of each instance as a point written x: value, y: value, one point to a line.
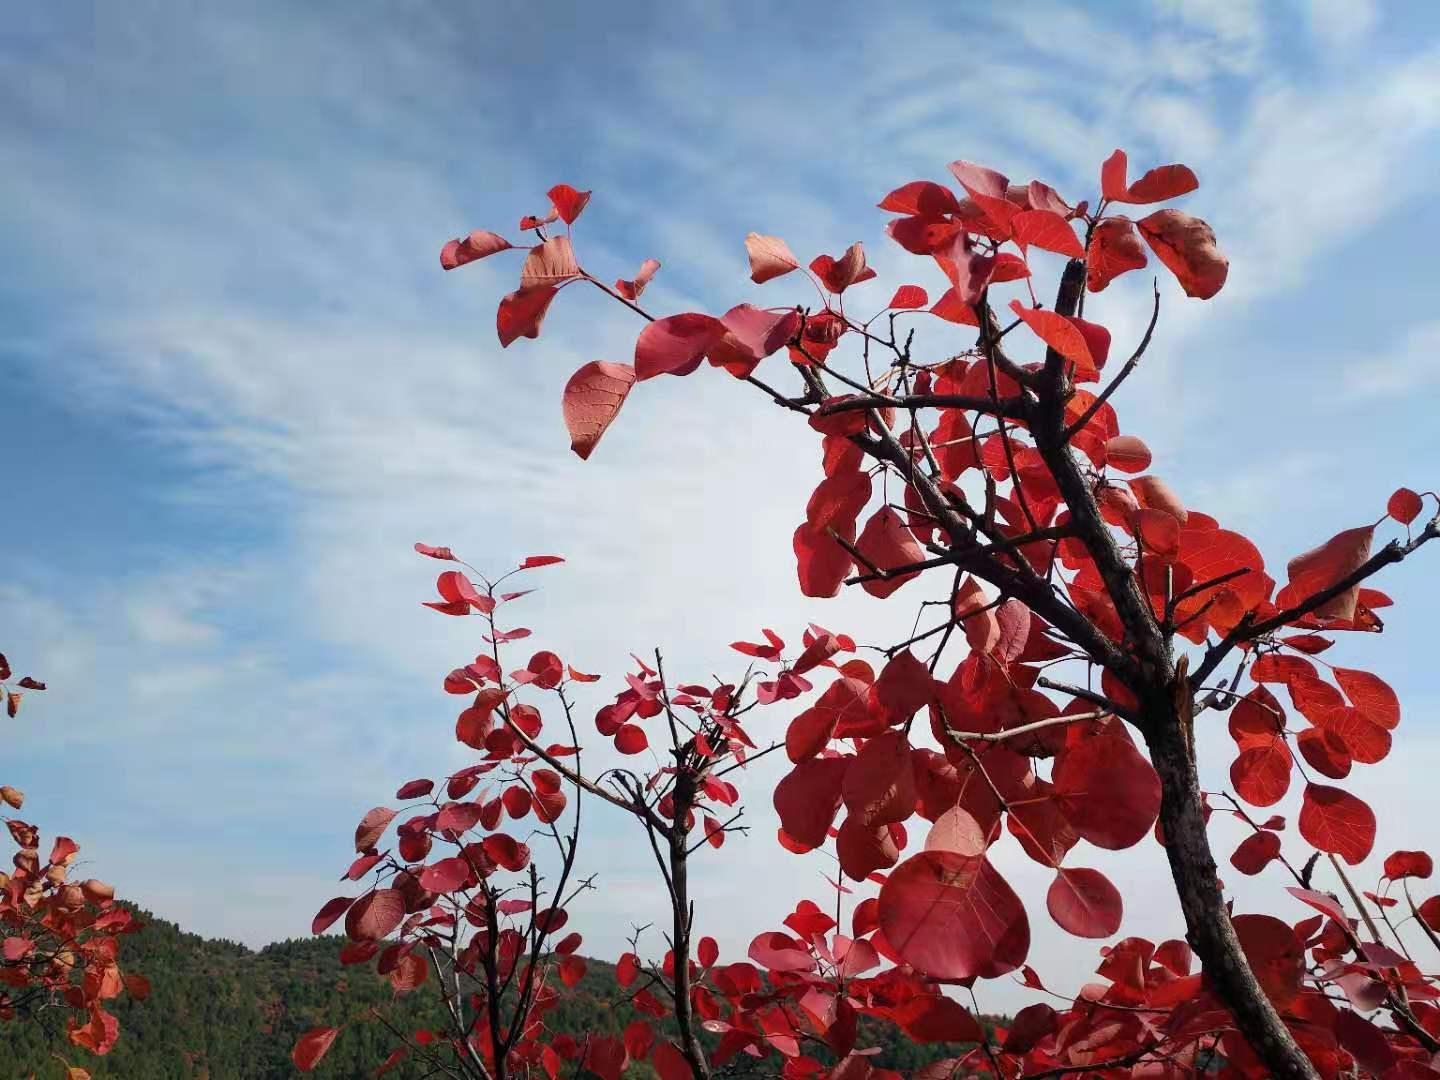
x: 238, y: 386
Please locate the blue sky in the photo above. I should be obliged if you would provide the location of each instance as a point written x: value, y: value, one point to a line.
x: 238, y: 386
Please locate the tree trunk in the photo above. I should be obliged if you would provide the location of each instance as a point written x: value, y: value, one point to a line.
x: 1197, y: 884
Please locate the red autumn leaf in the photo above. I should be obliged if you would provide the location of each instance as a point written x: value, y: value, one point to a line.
x: 676, y: 344
x: 312, y: 1046
x: 932, y: 1018
x: 887, y: 543
x: 807, y: 798
x: 592, y: 399
x: 447, y: 875
x: 952, y: 308
x: 372, y: 827
x: 415, y: 789
x: 1335, y: 821
x: 1160, y: 183
x: 1060, y: 334
x: 606, y: 1057
x: 770, y: 257
x: 532, y: 561
x: 1261, y: 774
x: 1115, y: 249
x: 775, y: 951
x: 374, y: 915
x: 1256, y: 852
x: 467, y: 249
x: 952, y: 916
x: 1084, y: 902
x: 632, y: 289
x: 630, y: 739
x: 549, y: 264
x: 1326, y: 566
x: 968, y: 269
x: 880, y: 786
x: 507, y: 852
x: 923, y: 198
x: 751, y: 334
x: 1127, y: 453
x: 326, y: 916
x: 1371, y: 695
x: 1109, y: 792
x: 1275, y: 954
x: 1408, y: 864
x: 837, y: 275
x: 1404, y: 506
x: 568, y: 202
x: 907, y: 297
x: 522, y: 312
x: 1325, y: 751
x: 1047, y: 230
x: 670, y: 1063
x: 1186, y: 245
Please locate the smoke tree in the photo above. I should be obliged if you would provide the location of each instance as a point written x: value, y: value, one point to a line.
x: 59, y: 939
x: 1078, y: 621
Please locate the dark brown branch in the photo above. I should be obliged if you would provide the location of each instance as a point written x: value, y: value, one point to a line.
x: 1124, y: 373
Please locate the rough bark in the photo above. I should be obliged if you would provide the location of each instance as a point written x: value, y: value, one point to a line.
x: 1208, y: 925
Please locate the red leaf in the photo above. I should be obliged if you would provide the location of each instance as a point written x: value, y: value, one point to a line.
x: 415, y: 789
x: 952, y: 916
x: 953, y: 309
x: 806, y: 799
x: 675, y: 345
x: 1408, y: 864
x: 751, y: 334
x: 1404, y: 506
x: 1112, y: 176
x: 1371, y: 695
x: 374, y: 915
x: 770, y: 257
x: 1127, y: 453
x: 372, y: 827
x: 1048, y: 230
x: 1322, y: 567
x: 312, y: 1046
x: 592, y: 399
x: 1325, y: 751
x: 907, y: 297
x: 568, y: 202
x: 775, y: 951
x: 326, y: 916
x: 1256, y: 852
x: 837, y: 275
x: 1060, y: 334
x: 921, y: 197
x: 446, y: 876
x: 880, y: 787
x: 1186, y: 245
x: 630, y: 739
x: 822, y: 564
x: 1115, y: 249
x: 1109, y: 792
x: 522, y: 312
x: 1261, y: 774
x: 549, y: 264
x: 532, y: 561
x: 887, y: 543
x: 1275, y: 954
x: 632, y: 289
x: 477, y: 245
x: 670, y: 1063
x: 932, y: 1018
x: 1085, y: 903
x: 1336, y: 821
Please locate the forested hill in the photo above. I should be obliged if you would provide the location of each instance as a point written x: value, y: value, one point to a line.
x: 221, y: 1011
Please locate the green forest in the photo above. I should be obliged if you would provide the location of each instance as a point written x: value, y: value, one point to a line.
x: 221, y: 1011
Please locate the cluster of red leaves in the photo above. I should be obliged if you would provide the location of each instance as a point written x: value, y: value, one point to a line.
x: 59, y: 939
x: 1055, y: 546
x: 459, y: 892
